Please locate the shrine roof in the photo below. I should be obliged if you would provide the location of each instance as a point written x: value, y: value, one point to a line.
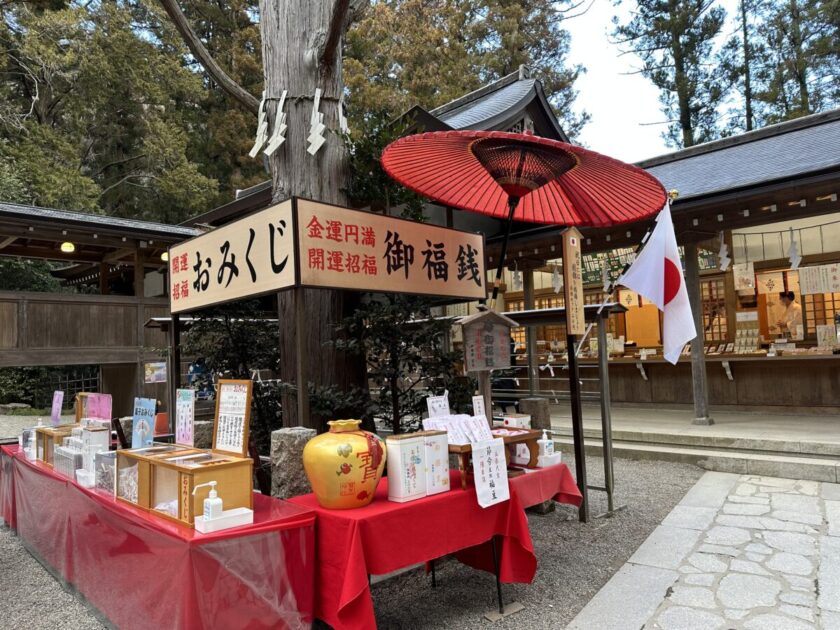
x: 787, y: 150
x: 94, y: 222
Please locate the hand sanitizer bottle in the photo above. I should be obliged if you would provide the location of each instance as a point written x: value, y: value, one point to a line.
x: 546, y: 445
x: 212, y: 504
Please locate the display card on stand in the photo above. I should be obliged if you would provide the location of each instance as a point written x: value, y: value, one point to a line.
x: 438, y: 405
x: 57, y: 402
x: 233, y: 415
x: 491, y: 480
x: 184, y: 417
x: 143, y: 422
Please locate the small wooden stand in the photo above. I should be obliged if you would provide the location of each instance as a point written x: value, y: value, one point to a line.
x: 528, y: 437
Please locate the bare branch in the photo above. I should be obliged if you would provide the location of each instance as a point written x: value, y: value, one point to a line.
x: 204, y: 57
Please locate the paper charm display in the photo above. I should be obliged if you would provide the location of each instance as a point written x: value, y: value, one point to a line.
x: 184, y: 417
x: 793, y: 253
x: 262, y: 129
x: 723, y: 254
x: 316, y: 126
x: 278, y: 133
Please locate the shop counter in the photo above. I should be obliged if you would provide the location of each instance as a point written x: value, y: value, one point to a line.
x: 386, y: 536
x: 785, y: 383
x: 141, y: 571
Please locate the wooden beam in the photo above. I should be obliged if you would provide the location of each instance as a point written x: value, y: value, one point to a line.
x: 698, y: 358
x: 7, y: 241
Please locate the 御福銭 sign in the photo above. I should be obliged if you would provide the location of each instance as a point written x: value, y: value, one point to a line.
x: 305, y: 243
x: 349, y: 249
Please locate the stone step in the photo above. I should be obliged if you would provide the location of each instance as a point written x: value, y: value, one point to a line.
x: 790, y: 466
x: 717, y: 442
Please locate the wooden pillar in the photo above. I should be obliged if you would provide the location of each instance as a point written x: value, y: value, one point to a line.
x: 698, y: 358
x: 174, y: 366
x: 530, y: 334
x: 730, y: 293
x: 139, y: 283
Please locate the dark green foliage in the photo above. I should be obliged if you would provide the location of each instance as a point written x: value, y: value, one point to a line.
x: 404, y: 349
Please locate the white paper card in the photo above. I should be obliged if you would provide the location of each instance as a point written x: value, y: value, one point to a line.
x: 491, y: 482
x: 478, y: 406
x: 438, y: 405
x: 479, y: 427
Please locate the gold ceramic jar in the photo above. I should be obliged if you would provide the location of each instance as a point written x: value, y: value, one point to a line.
x: 344, y: 465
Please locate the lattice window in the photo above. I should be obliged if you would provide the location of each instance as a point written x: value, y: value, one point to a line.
x: 518, y: 127
x: 714, y: 309
x: 819, y: 310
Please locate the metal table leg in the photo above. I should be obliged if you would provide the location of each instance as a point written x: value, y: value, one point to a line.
x: 498, y: 575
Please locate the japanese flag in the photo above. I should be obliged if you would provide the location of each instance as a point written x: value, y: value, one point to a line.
x: 657, y: 275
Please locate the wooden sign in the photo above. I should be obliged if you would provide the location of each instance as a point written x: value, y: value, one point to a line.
x: 486, y: 341
x: 306, y: 243
x: 248, y: 257
x: 573, y: 282
x: 350, y: 249
x: 233, y: 416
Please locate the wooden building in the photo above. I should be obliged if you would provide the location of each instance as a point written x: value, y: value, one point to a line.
x: 115, y: 281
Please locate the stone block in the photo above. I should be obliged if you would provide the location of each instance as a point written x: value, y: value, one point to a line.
x: 546, y: 507
x: 203, y: 434
x: 539, y: 411
x: 288, y: 478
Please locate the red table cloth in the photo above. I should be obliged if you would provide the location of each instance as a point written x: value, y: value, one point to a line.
x: 142, y: 571
x: 7, y: 484
x: 385, y: 536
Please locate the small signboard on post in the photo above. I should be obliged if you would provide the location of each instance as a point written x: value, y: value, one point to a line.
x: 573, y: 282
x: 486, y: 347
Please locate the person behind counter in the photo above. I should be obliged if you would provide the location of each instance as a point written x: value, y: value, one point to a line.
x: 791, y: 322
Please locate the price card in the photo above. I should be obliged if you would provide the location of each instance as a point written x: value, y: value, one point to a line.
x: 491, y: 482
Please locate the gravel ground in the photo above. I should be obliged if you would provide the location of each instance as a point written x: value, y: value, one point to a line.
x: 30, y: 597
x: 12, y: 426
x: 575, y: 561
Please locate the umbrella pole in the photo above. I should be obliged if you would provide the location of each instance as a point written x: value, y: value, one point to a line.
x: 512, y: 203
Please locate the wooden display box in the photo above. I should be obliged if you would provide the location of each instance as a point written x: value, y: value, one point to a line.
x: 140, y: 460
x: 173, y: 479
x: 47, y: 438
x: 527, y: 437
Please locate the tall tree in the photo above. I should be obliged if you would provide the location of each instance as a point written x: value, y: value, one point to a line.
x: 301, y: 52
x: 675, y: 41
x: 743, y: 62
x: 428, y: 52
x: 96, y: 107
x: 804, y: 45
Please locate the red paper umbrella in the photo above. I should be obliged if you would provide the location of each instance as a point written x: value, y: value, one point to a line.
x: 522, y: 177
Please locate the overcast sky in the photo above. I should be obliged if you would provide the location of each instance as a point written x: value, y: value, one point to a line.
x: 624, y: 107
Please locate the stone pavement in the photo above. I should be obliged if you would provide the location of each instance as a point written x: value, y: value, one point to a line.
x: 739, y: 551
